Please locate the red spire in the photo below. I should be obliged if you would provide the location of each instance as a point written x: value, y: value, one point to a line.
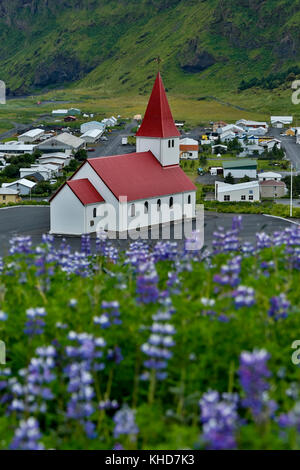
x: 158, y: 120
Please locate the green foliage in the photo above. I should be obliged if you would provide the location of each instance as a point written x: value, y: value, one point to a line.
x: 229, y: 179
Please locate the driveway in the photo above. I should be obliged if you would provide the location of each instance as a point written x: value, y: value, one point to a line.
x: 113, y: 146
x: 34, y: 221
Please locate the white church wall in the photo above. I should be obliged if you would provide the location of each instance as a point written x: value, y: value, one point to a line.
x: 67, y: 213
x: 167, y: 155
x: 144, y: 144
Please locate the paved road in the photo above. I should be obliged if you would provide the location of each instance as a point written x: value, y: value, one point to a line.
x: 289, y: 145
x: 113, y: 146
x: 34, y: 221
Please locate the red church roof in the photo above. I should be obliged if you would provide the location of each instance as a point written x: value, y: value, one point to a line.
x: 140, y: 176
x: 158, y: 120
x: 85, y: 191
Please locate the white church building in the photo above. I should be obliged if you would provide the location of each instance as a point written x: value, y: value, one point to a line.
x: 123, y: 192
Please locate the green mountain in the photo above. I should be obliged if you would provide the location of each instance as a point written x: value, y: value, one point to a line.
x: 205, y: 45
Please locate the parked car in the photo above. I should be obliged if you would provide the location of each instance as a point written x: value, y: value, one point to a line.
x: 104, y: 138
x: 91, y: 150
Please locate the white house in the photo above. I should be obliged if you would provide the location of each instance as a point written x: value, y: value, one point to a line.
x: 281, y: 121
x: 189, y: 148
x: 47, y: 171
x: 31, y: 136
x: 269, y: 176
x: 15, y: 147
x: 23, y: 186
x: 62, y: 142
x: 60, y: 158
x: 125, y: 192
x: 60, y: 112
x: 91, y: 136
x: 237, y: 192
x: 246, y: 124
x: 240, y: 168
x: 87, y: 126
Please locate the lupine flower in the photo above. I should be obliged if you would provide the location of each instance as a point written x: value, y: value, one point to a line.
x: 279, y: 307
x: 244, y: 296
x: 35, y: 323
x: 219, y: 419
x: 27, y: 436
x: 229, y: 273
x: 125, y: 424
x: 253, y: 373
x: 3, y: 316
x: 86, y: 244
x: 108, y: 405
x: 290, y: 419
x: 20, y: 245
x: 146, y: 285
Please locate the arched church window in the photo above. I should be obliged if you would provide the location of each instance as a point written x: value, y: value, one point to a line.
x: 169, y: 144
x: 94, y: 212
x: 158, y: 204
x: 132, y: 210
x: 171, y: 202
x: 189, y: 199
x: 146, y: 207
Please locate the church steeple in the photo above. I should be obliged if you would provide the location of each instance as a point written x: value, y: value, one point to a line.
x: 158, y: 120
x: 158, y: 132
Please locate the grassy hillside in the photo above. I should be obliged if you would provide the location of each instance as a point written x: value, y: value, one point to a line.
x: 206, y: 45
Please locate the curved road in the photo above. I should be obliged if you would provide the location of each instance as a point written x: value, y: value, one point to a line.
x: 34, y: 221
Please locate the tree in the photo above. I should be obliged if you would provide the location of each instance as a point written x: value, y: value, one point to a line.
x: 11, y: 171
x: 245, y: 179
x: 44, y: 187
x: 81, y: 155
x: 229, y: 179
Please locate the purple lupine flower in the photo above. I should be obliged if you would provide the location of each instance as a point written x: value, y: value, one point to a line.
x: 3, y: 316
x: 230, y: 272
x: 108, y: 405
x: 253, y: 373
x: 35, y: 323
x: 219, y: 418
x: 115, y: 355
x: 146, y: 285
x: 86, y: 244
x: 237, y: 222
x: 20, y: 245
x: 165, y: 250
x: 290, y: 419
x: 124, y: 420
x: 263, y: 241
x: 27, y: 436
x: 279, y: 307
x: 243, y: 296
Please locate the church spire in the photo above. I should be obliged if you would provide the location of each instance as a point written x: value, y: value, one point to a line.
x: 158, y: 120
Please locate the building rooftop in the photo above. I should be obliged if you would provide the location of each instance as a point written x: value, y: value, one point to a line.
x: 272, y: 183
x: 85, y: 191
x: 33, y: 133
x: 239, y: 163
x: 140, y: 176
x: 158, y: 120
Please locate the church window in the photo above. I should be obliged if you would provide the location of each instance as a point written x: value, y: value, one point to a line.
x: 173, y: 143
x: 132, y: 212
x: 94, y: 213
x: 158, y: 204
x: 169, y: 144
x: 146, y: 207
x: 171, y: 202
x: 189, y: 199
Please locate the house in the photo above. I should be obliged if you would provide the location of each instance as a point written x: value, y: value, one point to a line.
x: 62, y: 142
x: 110, y: 122
x: 246, y: 124
x: 59, y: 112
x: 91, y: 136
x: 216, y: 170
x: 218, y: 125
x: 240, y: 168
x: 189, y: 148
x: 31, y: 136
x: 22, y: 186
x: 257, y: 130
x: 47, y: 171
x: 61, y: 158
x: 251, y: 150
x: 218, y: 147
x: 272, y: 189
x: 269, y: 175
x: 87, y: 126
x: 290, y: 132
x: 8, y: 195
x: 124, y: 192
x: 281, y: 121
x: 269, y: 144
x: 74, y: 112
x: 70, y: 119
x: 237, y: 192
x: 14, y: 147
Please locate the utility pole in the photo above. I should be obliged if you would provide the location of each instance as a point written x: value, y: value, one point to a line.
x: 291, y: 191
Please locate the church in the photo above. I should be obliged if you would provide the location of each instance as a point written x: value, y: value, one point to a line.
x: 120, y: 193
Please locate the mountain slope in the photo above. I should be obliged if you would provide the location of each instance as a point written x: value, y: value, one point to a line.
x: 205, y: 45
